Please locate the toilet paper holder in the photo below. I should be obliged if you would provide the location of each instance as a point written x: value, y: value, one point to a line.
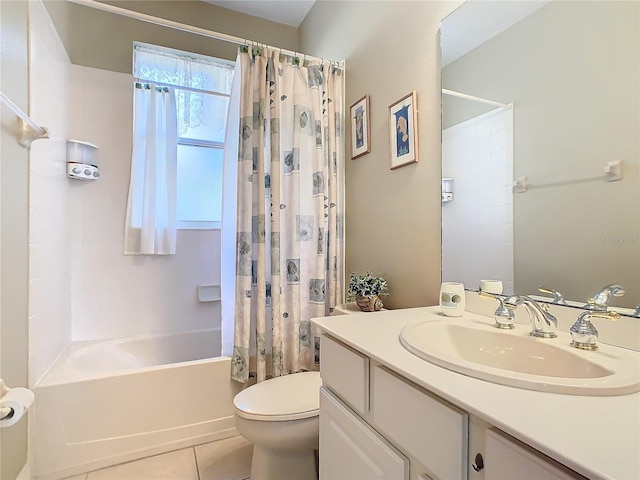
x: 14, y: 403
x: 5, y: 412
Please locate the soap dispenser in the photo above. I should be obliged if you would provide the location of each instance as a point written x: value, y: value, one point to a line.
x: 81, y: 163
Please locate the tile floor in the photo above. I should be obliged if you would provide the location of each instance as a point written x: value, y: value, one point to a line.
x: 228, y: 459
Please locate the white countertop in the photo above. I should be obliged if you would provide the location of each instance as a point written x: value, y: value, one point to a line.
x: 598, y: 437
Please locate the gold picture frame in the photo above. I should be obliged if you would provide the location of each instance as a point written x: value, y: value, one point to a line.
x: 403, y: 131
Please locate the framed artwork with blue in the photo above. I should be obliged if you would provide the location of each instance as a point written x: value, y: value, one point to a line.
x: 360, y: 128
x: 403, y: 132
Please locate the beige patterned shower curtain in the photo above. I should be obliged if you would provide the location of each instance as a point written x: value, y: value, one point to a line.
x: 290, y: 194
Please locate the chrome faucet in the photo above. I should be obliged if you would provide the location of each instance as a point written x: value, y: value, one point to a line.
x: 543, y: 324
x: 600, y: 301
x: 557, y: 296
x: 584, y: 334
x: 636, y: 312
x: 503, y: 316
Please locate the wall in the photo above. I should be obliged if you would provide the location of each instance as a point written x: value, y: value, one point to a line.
x: 572, y: 70
x: 49, y: 203
x: 13, y: 228
x: 477, y: 225
x: 112, y: 294
x: 392, y: 217
x: 103, y: 40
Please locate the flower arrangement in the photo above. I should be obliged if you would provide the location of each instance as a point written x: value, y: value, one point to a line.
x: 366, y: 285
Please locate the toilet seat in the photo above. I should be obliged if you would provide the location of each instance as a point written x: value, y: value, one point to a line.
x: 289, y: 397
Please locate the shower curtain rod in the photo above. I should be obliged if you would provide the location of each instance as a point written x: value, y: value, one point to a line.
x: 186, y: 28
x: 475, y: 99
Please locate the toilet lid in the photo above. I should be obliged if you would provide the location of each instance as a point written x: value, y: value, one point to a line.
x: 290, y: 397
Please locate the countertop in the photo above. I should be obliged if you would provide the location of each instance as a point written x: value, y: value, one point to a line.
x: 598, y: 437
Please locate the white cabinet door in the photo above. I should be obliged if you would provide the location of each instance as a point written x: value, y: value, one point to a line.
x: 508, y: 459
x: 351, y: 450
x: 429, y: 430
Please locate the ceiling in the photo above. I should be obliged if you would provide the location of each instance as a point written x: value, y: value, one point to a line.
x: 288, y: 12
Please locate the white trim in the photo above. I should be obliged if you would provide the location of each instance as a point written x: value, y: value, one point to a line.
x: 197, y: 225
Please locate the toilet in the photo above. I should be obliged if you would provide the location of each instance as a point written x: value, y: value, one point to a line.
x: 280, y: 417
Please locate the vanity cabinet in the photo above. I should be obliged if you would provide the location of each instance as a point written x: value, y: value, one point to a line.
x: 376, y: 424
x: 507, y: 458
x: 351, y: 449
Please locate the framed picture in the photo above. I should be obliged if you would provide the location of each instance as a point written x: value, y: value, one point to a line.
x: 403, y: 133
x: 360, y: 128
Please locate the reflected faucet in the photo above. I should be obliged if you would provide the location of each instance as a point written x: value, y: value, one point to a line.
x: 557, y: 296
x: 600, y: 301
x: 543, y: 324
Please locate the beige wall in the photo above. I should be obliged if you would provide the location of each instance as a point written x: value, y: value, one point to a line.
x: 103, y: 40
x: 392, y: 217
x: 14, y: 165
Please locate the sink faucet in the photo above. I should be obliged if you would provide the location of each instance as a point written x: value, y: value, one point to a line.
x: 543, y: 324
x: 584, y: 334
x: 636, y: 312
x: 600, y: 300
x: 503, y: 316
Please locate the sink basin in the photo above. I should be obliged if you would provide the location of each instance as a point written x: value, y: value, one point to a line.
x: 513, y: 357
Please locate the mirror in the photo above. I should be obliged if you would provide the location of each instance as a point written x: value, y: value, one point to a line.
x: 550, y: 95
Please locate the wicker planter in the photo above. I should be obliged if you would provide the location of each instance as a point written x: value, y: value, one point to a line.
x: 371, y: 303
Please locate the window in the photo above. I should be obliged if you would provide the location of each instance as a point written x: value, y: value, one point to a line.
x: 202, y: 85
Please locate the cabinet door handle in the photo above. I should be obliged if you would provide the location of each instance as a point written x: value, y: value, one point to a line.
x: 479, y: 463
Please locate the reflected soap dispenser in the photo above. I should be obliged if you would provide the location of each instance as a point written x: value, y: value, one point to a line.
x: 447, y: 189
x: 81, y: 163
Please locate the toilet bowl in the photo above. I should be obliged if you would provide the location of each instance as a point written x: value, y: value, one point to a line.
x: 280, y: 417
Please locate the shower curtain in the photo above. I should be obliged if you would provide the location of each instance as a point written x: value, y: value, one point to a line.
x: 289, y: 212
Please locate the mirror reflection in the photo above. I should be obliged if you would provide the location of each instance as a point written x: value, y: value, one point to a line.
x: 541, y: 148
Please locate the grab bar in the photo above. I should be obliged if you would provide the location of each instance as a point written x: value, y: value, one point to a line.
x: 30, y: 130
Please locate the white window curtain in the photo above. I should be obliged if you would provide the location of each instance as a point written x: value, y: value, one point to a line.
x: 150, y: 226
x: 198, y: 74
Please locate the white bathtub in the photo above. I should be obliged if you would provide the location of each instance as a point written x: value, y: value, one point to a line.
x: 113, y: 401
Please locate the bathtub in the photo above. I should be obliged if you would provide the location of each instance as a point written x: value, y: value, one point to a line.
x: 113, y: 401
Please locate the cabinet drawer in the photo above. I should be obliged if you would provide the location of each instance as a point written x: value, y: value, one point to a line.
x: 507, y: 458
x: 351, y: 450
x: 428, y: 429
x: 346, y: 372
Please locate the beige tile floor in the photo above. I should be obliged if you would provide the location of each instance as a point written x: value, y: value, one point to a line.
x: 228, y: 459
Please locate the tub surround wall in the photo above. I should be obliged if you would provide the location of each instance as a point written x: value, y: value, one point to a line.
x: 478, y: 155
x: 49, y: 201
x: 114, y: 295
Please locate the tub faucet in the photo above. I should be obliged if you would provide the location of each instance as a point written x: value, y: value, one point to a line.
x: 503, y: 316
x: 600, y: 301
x: 543, y: 324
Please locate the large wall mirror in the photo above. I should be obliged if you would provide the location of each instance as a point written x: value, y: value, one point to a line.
x: 541, y: 147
